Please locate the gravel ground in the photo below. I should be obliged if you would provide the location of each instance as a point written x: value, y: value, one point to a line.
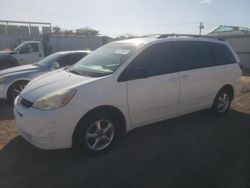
x: 7, y: 124
x: 196, y: 150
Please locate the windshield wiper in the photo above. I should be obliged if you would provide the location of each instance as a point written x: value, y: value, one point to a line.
x: 74, y: 72
x: 77, y: 72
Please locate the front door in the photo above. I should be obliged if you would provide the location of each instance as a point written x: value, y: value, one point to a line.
x: 155, y: 97
x: 28, y: 54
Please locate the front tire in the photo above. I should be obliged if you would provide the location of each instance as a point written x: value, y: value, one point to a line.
x: 222, y: 103
x: 97, y: 133
x: 15, y: 89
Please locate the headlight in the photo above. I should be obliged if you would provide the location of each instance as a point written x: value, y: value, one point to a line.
x: 57, y: 99
x: 2, y: 79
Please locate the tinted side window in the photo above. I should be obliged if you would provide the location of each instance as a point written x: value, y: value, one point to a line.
x: 34, y: 47
x: 192, y: 55
x: 221, y: 53
x: 157, y: 59
x: 70, y: 59
x: 29, y: 48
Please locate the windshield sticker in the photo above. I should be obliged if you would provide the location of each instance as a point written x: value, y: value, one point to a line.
x: 121, y: 51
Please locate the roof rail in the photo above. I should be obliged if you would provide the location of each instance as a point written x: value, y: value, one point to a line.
x: 189, y: 35
x: 151, y: 36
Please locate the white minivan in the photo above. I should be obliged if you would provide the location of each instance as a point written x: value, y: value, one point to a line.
x: 124, y: 85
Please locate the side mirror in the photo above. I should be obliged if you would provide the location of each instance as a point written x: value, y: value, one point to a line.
x: 133, y: 74
x: 54, y: 66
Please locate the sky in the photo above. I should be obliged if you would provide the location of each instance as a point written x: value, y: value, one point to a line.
x: 138, y: 17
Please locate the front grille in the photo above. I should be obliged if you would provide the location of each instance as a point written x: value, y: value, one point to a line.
x: 26, y: 103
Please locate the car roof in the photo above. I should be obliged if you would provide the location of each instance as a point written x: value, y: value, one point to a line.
x: 170, y: 37
x: 137, y: 41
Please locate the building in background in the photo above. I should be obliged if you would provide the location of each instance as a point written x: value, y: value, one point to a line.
x: 13, y: 33
x: 24, y: 28
x: 239, y: 39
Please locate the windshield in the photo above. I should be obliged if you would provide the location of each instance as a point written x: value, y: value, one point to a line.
x: 105, y: 60
x: 48, y: 60
x: 19, y: 47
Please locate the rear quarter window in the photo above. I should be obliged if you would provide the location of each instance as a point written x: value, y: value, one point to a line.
x: 222, y: 55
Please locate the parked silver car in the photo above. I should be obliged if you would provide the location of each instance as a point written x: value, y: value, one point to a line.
x: 13, y: 80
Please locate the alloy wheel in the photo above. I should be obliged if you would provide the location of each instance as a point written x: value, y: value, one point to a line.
x: 99, y: 135
x: 17, y: 90
x: 223, y: 102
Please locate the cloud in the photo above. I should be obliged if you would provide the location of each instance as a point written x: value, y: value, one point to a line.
x: 205, y: 1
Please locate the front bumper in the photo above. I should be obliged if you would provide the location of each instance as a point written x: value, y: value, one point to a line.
x: 48, y: 129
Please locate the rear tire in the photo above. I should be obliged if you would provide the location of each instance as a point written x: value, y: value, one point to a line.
x: 222, y: 102
x: 97, y: 133
x: 15, y: 89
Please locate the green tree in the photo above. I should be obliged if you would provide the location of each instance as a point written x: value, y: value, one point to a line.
x: 68, y: 32
x: 57, y: 30
x: 86, y: 31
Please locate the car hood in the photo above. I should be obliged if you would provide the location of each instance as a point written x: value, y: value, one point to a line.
x: 19, y: 70
x: 51, y: 82
x: 5, y: 52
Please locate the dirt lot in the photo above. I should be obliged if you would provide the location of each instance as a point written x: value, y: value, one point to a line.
x: 196, y: 150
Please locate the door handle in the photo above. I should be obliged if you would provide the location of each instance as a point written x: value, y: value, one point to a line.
x: 40, y: 55
x: 185, y: 77
x: 172, y: 79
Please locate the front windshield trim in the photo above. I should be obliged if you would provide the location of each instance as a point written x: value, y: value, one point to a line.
x: 16, y: 49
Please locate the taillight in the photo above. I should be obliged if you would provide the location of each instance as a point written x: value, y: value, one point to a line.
x: 241, y: 66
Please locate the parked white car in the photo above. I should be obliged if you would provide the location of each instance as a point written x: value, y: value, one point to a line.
x: 124, y: 85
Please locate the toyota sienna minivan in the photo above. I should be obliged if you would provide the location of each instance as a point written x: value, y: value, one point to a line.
x: 124, y: 85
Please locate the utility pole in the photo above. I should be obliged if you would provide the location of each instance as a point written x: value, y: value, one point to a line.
x: 201, y: 27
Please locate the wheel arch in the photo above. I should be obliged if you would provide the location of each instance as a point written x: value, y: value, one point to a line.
x: 14, y: 82
x: 104, y: 108
x: 229, y: 88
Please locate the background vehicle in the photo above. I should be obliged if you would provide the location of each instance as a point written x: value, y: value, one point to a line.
x: 127, y: 84
x: 26, y: 53
x: 13, y: 80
